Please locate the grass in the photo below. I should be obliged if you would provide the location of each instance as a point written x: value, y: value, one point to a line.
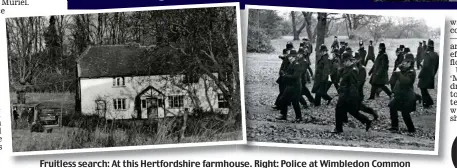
x: 261, y: 91
x: 93, y: 132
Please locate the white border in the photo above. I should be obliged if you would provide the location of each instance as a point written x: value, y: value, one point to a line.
x: 363, y: 149
x: 158, y: 146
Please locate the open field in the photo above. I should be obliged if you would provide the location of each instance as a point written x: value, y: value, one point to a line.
x: 93, y: 132
x: 261, y: 91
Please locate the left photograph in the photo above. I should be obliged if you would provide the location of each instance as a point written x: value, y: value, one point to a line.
x: 156, y: 77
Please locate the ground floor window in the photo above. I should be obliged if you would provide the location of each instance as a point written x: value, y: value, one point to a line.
x: 100, y: 107
x: 222, y: 102
x: 120, y: 104
x: 176, y: 101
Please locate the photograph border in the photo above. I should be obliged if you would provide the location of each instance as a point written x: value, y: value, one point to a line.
x: 140, y: 147
x: 364, y: 149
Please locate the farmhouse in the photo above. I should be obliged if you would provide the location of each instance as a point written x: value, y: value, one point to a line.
x: 122, y: 82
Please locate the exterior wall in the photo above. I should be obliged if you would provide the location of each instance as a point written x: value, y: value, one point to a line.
x: 103, y: 89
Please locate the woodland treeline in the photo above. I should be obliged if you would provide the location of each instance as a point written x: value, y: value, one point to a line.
x: 265, y: 25
x: 42, y: 51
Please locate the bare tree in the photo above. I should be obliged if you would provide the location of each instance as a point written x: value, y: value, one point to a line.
x: 321, y: 31
x: 379, y: 27
x: 24, y: 52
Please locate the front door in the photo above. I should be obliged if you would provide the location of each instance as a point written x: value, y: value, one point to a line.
x: 152, y: 107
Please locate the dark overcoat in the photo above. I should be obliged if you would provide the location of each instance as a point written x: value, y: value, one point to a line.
x: 334, y: 72
x: 379, y: 74
x: 370, y: 54
x: 322, y: 73
x: 428, y: 71
x: 348, y: 93
x: 292, y: 79
x: 419, y: 54
x: 363, y: 54
x: 404, y: 96
x: 285, y: 62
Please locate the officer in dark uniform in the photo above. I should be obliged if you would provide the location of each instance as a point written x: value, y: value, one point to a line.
x: 394, y: 77
x: 370, y: 55
x: 349, y: 97
x: 292, y: 92
x: 379, y: 75
x: 404, y: 97
x: 419, y: 56
x: 362, y: 52
x: 322, y: 78
x: 305, y: 91
x: 362, y: 78
x: 335, y: 44
x: 400, y: 56
x: 427, y: 74
x: 342, y: 48
x: 308, y: 71
x: 289, y: 46
x: 336, y: 65
x: 279, y: 81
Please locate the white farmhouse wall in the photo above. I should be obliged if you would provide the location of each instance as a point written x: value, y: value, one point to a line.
x: 102, y: 88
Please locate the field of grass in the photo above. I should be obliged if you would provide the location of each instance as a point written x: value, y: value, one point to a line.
x: 261, y: 91
x: 94, y: 132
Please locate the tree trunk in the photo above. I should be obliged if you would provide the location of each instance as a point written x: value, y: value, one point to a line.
x: 308, y: 21
x: 294, y: 26
x: 320, y: 27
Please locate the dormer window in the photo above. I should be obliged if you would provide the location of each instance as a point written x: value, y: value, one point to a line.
x: 118, y: 81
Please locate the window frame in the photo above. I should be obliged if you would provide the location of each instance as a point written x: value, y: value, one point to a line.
x: 221, y: 101
x: 122, y: 106
x: 175, y: 99
x: 119, y: 82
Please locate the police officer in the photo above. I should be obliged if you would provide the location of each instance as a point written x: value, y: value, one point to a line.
x: 292, y: 92
x: 322, y: 78
x: 305, y: 91
x: 419, y: 56
x: 308, y: 71
x: 335, y: 44
x: 427, y: 74
x: 379, y: 75
x: 349, y: 97
x: 404, y: 97
x: 335, y: 68
x: 342, y: 48
x: 400, y: 56
x: 279, y: 81
x: 362, y: 52
x: 289, y: 46
x: 362, y: 76
x: 370, y: 55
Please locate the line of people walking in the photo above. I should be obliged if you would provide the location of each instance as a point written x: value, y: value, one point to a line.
x: 346, y: 71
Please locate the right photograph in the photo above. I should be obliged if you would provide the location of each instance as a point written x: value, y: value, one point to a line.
x: 353, y: 81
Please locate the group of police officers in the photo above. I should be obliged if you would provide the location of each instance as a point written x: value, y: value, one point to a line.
x: 345, y: 70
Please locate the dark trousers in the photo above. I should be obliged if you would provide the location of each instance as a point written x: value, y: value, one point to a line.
x: 419, y: 66
x: 334, y: 84
x: 289, y: 96
x: 321, y: 93
x: 341, y: 111
x: 296, y: 105
x: 374, y: 89
x: 406, y: 118
x: 281, y: 91
x: 364, y: 107
x: 426, y: 98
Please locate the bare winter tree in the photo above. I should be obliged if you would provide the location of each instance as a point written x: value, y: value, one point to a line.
x: 25, y: 52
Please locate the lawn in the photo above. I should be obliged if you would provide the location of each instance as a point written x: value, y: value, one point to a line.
x: 261, y: 91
